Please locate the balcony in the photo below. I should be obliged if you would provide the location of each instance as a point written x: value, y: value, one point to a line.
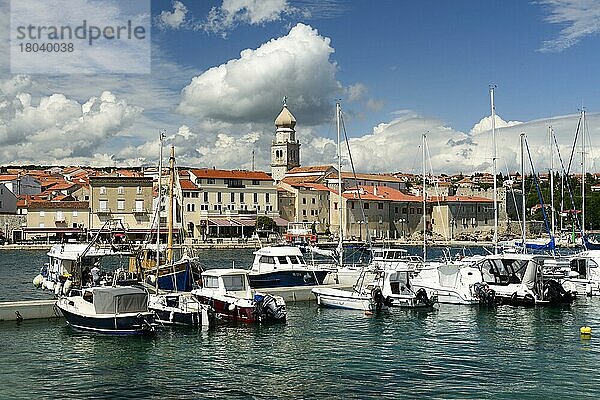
x: 139, y: 211
x: 103, y: 211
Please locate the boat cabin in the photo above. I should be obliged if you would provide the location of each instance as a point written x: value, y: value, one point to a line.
x: 232, y: 282
x: 517, y: 269
x: 586, y: 265
x: 300, y: 233
x: 394, y: 259
x: 277, y: 258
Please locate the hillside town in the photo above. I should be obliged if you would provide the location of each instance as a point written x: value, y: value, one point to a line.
x: 53, y: 204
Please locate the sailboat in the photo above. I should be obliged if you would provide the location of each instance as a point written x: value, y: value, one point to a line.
x: 361, y: 297
x: 173, y: 306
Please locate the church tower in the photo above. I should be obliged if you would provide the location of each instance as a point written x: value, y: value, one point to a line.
x: 285, y: 150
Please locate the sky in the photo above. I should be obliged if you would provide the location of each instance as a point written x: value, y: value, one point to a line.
x: 401, y: 69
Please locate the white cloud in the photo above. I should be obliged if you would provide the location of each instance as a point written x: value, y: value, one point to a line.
x: 173, y: 19
x: 580, y: 18
x: 355, y: 92
x: 486, y: 124
x: 249, y: 89
x: 253, y: 12
x: 374, y: 105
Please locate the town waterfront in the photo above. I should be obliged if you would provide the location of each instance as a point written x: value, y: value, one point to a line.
x: 453, y: 352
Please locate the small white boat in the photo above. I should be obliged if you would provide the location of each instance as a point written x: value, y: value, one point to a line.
x: 180, y: 308
x: 584, y: 274
x: 397, y: 290
x: 229, y: 293
x: 350, y: 299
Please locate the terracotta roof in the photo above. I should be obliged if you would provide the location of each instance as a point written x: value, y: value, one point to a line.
x: 63, y: 185
x: 5, y: 178
x: 293, y: 180
x: 38, y: 205
x: 370, y: 177
x: 309, y: 185
x: 311, y: 168
x: 231, y: 174
x: 186, y: 184
x: 459, y: 199
x: 380, y: 193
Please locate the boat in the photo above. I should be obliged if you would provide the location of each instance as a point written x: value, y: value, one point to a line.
x: 351, y: 299
x: 65, y: 259
x: 121, y: 310
x: 172, y: 301
x: 300, y: 233
x: 283, y: 266
x: 584, y: 273
x: 228, y: 292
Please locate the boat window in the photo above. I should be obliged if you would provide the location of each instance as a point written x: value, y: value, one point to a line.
x: 211, y: 282
x: 399, y: 255
x: 267, y: 259
x: 282, y: 259
x: 578, y: 265
x: 592, y: 264
x: 378, y: 254
x: 294, y: 260
x: 234, y: 282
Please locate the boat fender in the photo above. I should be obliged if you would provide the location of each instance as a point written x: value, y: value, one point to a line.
x: 231, y: 307
x: 585, y: 330
x: 38, y: 280
x: 67, y: 287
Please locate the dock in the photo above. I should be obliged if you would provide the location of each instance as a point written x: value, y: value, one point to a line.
x: 28, y: 309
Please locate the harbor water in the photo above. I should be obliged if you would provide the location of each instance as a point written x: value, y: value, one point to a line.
x: 453, y: 352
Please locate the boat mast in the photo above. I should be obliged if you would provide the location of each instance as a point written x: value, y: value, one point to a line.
x: 493, y: 109
x: 170, y: 215
x: 583, y: 175
x: 424, y: 138
x: 553, y: 222
x: 524, y: 224
x: 339, y: 149
x: 159, y: 205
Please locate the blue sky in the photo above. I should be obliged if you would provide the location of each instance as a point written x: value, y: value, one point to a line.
x: 399, y: 67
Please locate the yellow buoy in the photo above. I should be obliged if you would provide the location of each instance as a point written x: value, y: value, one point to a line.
x: 585, y: 330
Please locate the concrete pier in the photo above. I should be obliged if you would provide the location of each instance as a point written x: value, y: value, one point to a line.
x: 29, y: 309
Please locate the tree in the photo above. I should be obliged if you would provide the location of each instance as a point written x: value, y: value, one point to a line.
x: 265, y: 223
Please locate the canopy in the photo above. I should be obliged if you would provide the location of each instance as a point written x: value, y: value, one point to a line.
x: 121, y: 299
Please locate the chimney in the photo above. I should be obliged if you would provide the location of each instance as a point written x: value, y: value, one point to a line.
x: 375, y: 190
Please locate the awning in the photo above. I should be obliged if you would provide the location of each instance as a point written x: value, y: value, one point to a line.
x: 280, y: 221
x: 52, y: 230
x: 246, y: 222
x: 222, y: 222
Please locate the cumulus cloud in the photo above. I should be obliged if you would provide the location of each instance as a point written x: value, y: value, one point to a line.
x: 174, y: 19
x: 58, y: 128
x: 374, y: 105
x: 253, y: 12
x: 580, y: 18
x: 248, y: 88
x: 355, y: 92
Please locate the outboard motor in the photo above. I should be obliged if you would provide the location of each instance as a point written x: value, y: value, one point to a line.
x: 555, y: 293
x: 484, y: 293
x: 422, y: 299
x: 266, y: 307
x: 379, y: 299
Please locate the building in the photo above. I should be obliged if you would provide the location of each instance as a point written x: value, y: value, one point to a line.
x: 461, y: 217
x: 349, y: 180
x: 227, y: 202
x: 305, y: 202
x: 21, y: 184
x: 129, y: 199
x: 8, y: 200
x: 56, y: 220
x: 285, y: 149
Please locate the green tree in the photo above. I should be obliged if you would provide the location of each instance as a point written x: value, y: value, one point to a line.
x: 265, y: 223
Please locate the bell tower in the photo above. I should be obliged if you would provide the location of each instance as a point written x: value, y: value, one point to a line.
x: 285, y: 149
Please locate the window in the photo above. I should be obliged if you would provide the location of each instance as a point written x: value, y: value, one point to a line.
x: 190, y: 207
x: 210, y: 181
x: 294, y: 260
x: 282, y: 260
x: 103, y: 205
x: 304, y: 213
x: 351, y: 203
x: 232, y: 197
x: 234, y: 282
x: 206, y: 197
x: 412, y: 210
x: 186, y: 194
x: 59, y: 216
x: 396, y: 209
x: 42, y: 213
x: 335, y: 206
x: 219, y: 197
x: 313, y: 200
x: 380, y: 206
x: 120, y: 204
x: 120, y: 190
x: 75, y: 213
x: 267, y: 197
x: 419, y: 211
x: 366, y: 206
x: 102, y: 189
x: 255, y: 197
x: 403, y: 210
x: 267, y: 260
x: 304, y: 200
x: 203, y: 207
x: 138, y: 190
x: 241, y: 197
x: 211, y: 282
x: 139, y: 205
x: 255, y: 182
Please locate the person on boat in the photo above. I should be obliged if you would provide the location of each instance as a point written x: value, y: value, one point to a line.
x: 95, y: 271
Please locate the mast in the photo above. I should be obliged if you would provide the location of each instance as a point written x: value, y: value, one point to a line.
x: 339, y: 149
x: 424, y: 199
x: 523, y: 210
x: 159, y: 204
x: 493, y: 109
x: 553, y: 221
x: 583, y: 175
x: 170, y: 215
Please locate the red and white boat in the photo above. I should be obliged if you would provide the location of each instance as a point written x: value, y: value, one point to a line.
x: 229, y: 293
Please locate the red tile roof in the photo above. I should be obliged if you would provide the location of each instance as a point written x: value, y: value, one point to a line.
x: 380, y: 193
x: 231, y: 174
x: 39, y: 205
x: 311, y: 168
x: 186, y: 184
x: 293, y: 180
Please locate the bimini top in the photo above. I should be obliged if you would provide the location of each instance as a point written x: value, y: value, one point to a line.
x: 279, y: 251
x: 120, y: 299
x: 72, y: 251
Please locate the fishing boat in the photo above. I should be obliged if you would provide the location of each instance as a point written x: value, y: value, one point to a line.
x: 283, y: 266
x: 229, y: 293
x: 121, y: 310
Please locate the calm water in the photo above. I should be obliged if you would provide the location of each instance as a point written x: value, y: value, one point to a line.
x: 454, y: 352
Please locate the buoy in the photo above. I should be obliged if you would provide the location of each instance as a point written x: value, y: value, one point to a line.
x: 585, y: 330
x: 368, y: 312
x: 38, y: 280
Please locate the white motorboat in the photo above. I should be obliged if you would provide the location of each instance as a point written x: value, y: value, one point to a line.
x: 121, y: 310
x: 229, y: 293
x: 349, y: 299
x: 584, y: 274
x: 180, y: 308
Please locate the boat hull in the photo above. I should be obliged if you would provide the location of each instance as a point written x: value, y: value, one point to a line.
x: 128, y: 324
x: 229, y: 311
x: 336, y: 298
x: 287, y: 279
